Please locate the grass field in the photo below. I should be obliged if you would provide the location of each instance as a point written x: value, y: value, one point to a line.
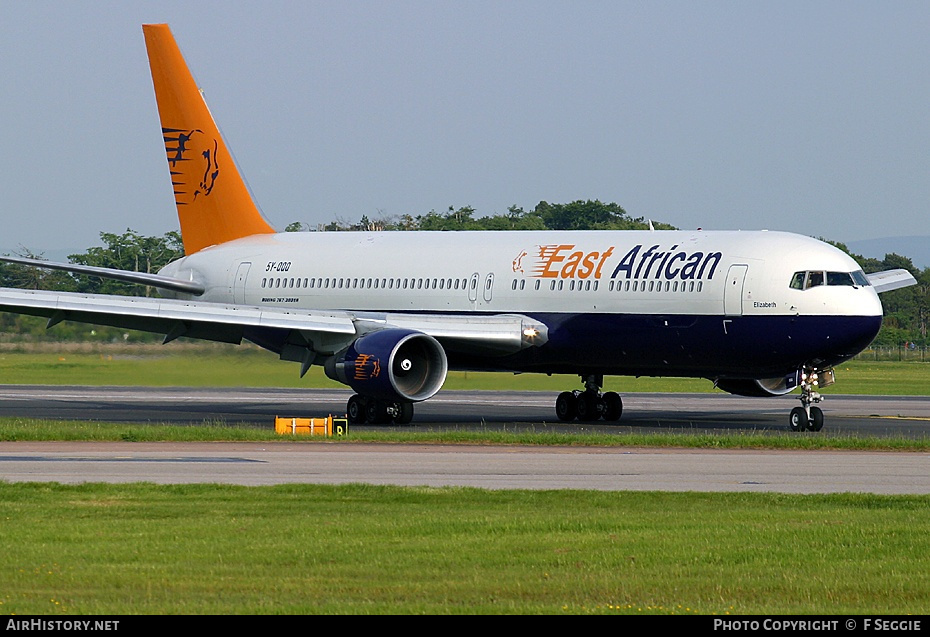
x: 229, y: 366
x: 126, y: 549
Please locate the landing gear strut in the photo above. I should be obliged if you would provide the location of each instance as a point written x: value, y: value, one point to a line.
x: 364, y: 409
x: 808, y: 415
x: 589, y: 404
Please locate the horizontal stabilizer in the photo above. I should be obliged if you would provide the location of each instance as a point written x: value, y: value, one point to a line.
x: 142, y: 278
x: 891, y: 280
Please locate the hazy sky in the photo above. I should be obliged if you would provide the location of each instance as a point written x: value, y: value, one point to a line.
x: 812, y: 117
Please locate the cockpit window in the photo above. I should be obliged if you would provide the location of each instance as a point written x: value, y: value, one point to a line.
x: 860, y: 278
x: 839, y: 278
x: 814, y: 278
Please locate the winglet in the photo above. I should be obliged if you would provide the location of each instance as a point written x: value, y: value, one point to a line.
x: 889, y: 280
x: 214, y: 204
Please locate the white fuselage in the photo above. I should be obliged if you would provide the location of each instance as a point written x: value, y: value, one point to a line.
x: 603, y: 272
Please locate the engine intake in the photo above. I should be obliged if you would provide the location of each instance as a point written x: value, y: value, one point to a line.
x: 391, y: 364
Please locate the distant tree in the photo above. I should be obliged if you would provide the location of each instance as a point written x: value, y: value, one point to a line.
x: 127, y: 251
x: 590, y: 215
x: 576, y: 215
x: 13, y: 275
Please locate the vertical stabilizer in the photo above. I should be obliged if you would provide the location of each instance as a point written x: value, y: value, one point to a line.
x: 214, y: 205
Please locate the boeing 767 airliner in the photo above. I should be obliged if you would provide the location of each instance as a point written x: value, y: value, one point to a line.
x: 389, y: 313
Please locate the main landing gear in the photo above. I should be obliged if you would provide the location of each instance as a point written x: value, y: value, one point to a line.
x: 589, y: 404
x: 364, y: 409
x: 808, y: 416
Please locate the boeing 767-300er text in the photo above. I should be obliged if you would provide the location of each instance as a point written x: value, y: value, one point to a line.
x: 389, y: 313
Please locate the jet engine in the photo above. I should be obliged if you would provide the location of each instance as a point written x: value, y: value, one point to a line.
x: 757, y: 387
x: 391, y: 364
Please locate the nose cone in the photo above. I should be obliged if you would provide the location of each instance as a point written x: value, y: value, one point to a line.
x: 853, y: 332
x: 872, y: 303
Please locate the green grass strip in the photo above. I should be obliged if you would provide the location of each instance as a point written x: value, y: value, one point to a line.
x: 250, y: 367
x: 25, y: 429
x: 356, y: 549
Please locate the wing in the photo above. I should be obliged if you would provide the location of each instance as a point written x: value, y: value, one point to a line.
x: 306, y: 333
x: 891, y: 280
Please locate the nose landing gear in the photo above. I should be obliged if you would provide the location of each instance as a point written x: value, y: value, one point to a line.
x: 808, y: 416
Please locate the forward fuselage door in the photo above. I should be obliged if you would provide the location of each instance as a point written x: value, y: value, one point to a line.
x: 473, y: 290
x: 242, y: 275
x: 733, y: 293
x: 488, y: 287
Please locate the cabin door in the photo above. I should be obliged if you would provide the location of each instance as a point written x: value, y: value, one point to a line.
x: 733, y: 293
x: 242, y: 274
x: 488, y: 287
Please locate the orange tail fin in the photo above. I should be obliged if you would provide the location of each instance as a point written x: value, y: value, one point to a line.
x: 214, y: 204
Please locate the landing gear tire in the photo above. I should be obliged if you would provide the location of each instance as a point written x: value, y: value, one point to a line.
x: 355, y: 410
x: 613, y: 406
x: 404, y: 413
x: 587, y: 405
x: 566, y: 407
x: 376, y: 412
x: 798, y: 419
x: 816, y: 421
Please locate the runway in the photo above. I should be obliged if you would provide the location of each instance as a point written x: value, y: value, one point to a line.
x: 495, y: 467
x: 487, y: 467
x: 905, y: 416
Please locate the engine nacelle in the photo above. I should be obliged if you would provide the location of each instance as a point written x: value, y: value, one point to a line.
x: 759, y: 387
x: 391, y: 364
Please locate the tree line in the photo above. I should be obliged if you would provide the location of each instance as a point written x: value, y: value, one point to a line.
x: 907, y: 311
